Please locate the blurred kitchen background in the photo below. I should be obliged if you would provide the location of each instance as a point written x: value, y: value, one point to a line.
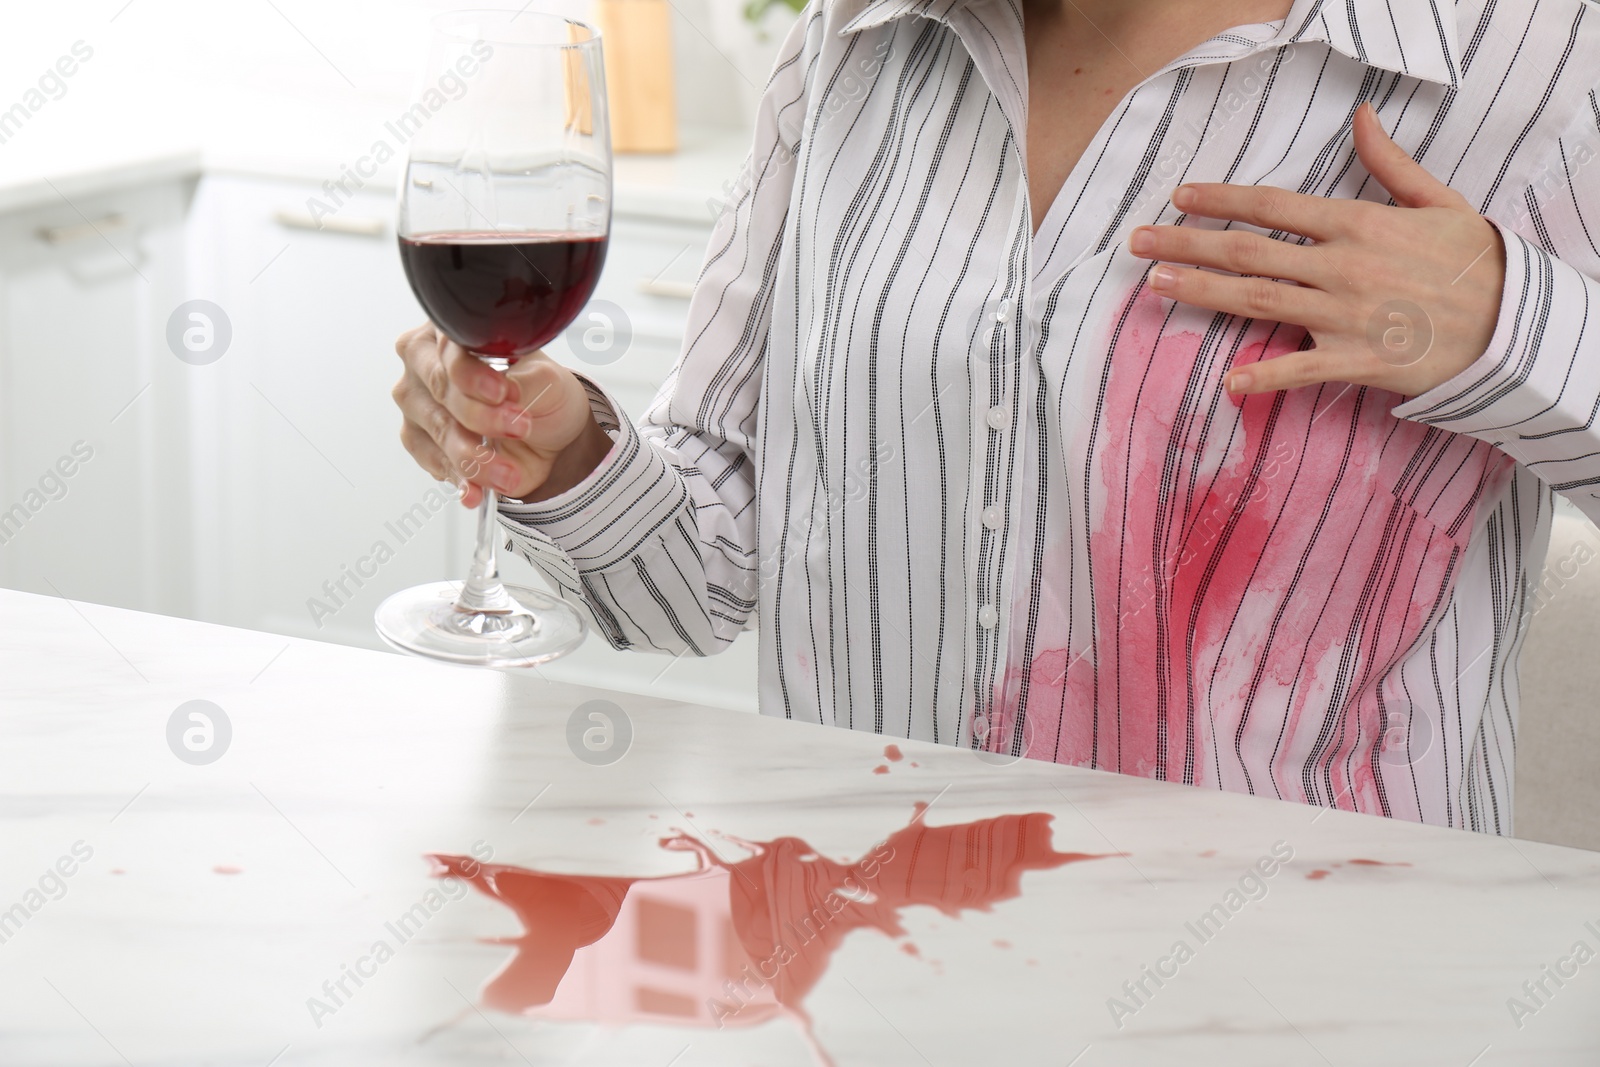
x: 155, y: 153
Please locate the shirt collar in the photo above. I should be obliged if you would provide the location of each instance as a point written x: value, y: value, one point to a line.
x: 1416, y: 38
x: 877, y: 12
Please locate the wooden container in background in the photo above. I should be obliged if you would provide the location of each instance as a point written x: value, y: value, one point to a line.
x: 636, y: 37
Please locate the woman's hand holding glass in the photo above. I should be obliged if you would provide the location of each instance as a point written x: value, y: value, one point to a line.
x: 541, y: 435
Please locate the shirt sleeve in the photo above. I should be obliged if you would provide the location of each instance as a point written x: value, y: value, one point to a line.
x: 658, y: 543
x: 1535, y: 392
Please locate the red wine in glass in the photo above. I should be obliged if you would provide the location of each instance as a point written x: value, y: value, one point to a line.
x: 502, y: 294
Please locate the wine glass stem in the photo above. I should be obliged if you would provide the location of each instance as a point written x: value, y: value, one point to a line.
x: 483, y: 594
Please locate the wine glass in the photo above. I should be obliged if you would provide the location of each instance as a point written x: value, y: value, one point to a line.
x: 505, y: 212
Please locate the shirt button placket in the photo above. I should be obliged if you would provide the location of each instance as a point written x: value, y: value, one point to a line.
x: 997, y: 418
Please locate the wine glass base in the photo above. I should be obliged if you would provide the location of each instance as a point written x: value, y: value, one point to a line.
x: 425, y: 621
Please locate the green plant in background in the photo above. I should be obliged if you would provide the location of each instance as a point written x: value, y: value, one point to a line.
x: 756, y: 10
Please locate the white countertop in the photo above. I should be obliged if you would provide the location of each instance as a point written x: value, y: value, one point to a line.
x: 207, y: 905
x: 44, y: 164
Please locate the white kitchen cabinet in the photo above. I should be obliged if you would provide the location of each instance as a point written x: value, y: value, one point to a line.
x: 299, y: 474
x: 258, y: 488
x: 301, y: 480
x: 94, y: 501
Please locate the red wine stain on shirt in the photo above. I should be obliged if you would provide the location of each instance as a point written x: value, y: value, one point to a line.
x: 892, y: 753
x: 1146, y: 593
x: 1317, y: 875
x: 223, y: 868
x: 1259, y: 566
x: 1001, y: 942
x: 1376, y: 863
x: 597, y: 821
x: 911, y: 950
x: 118, y: 870
x: 620, y: 950
x: 1208, y: 853
x: 882, y: 768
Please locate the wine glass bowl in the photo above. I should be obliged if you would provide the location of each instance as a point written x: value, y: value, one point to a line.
x: 505, y: 214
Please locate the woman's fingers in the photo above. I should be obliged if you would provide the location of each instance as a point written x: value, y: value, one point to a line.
x: 1269, y: 208
x: 556, y: 404
x: 473, y: 378
x: 466, y: 456
x: 1251, y: 298
x: 462, y: 384
x: 429, y: 456
x: 1238, y: 251
x: 446, y: 396
x: 439, y: 442
x: 478, y: 396
x: 529, y: 468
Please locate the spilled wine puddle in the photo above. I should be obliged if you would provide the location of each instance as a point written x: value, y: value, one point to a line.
x: 736, y: 943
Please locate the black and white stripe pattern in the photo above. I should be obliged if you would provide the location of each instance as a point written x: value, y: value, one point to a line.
x: 979, y: 486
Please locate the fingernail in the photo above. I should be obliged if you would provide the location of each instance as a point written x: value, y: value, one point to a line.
x: 1142, y: 242
x: 503, y: 477
x: 519, y: 424
x: 493, y: 387
x: 1238, y: 380
x: 1183, y: 196
x: 1163, y: 278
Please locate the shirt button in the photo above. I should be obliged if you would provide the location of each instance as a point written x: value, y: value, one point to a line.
x: 1003, y: 312
x: 987, y: 616
x: 991, y: 518
x: 997, y: 417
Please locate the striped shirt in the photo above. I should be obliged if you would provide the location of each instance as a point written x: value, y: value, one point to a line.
x: 978, y: 485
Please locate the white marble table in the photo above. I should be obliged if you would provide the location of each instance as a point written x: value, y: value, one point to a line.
x: 213, y: 911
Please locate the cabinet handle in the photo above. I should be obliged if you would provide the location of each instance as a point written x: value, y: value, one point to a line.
x: 60, y: 235
x: 673, y: 290
x: 301, y: 220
